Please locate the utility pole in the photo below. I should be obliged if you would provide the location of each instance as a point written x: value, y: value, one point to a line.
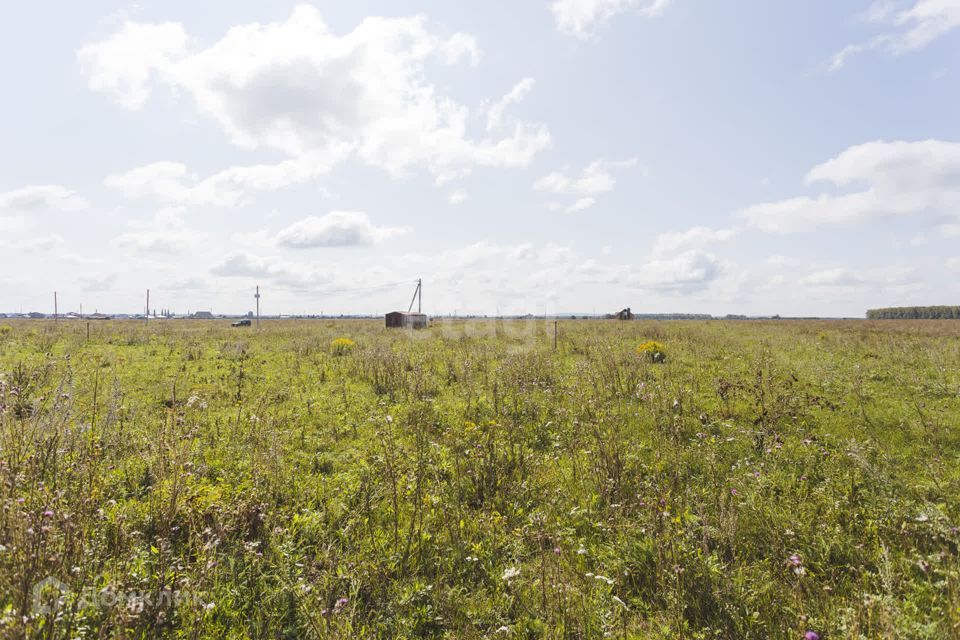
x: 417, y: 295
x: 56, y: 315
x: 146, y: 316
x: 257, y: 296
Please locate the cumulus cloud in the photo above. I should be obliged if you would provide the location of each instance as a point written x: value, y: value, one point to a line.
x: 335, y: 229
x: 165, y: 233
x: 596, y: 179
x: 125, y: 63
x: 896, y: 179
x: 912, y: 25
x: 299, y: 88
x: 669, y: 244
x: 172, y: 182
x: 692, y: 270
x: 458, y: 197
x: 580, y: 18
x: 41, y: 197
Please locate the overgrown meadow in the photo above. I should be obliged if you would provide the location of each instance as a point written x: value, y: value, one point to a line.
x: 759, y: 480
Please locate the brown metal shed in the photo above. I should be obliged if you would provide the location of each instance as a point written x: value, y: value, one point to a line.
x: 404, y: 320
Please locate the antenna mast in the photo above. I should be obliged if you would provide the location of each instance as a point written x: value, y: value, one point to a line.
x: 56, y: 316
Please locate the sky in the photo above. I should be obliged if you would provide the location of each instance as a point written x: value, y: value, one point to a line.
x: 543, y: 156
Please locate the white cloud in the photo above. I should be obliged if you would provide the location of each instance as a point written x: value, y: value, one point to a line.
x: 458, y: 197
x: 171, y: 182
x: 669, y: 244
x: 918, y: 179
x: 124, y: 64
x: 499, y: 108
x: 581, y: 205
x: 41, y: 197
x: 580, y: 18
x: 165, y: 233
x: 485, y: 276
x: 335, y: 229
x: 690, y: 270
x: 847, y: 278
x: 836, y: 277
x: 299, y: 88
x: 597, y: 178
x: 281, y: 273
x: 914, y: 27
x: 40, y: 244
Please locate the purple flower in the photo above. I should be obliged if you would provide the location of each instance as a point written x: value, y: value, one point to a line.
x: 48, y: 514
x: 733, y: 492
x: 811, y: 635
x: 795, y: 560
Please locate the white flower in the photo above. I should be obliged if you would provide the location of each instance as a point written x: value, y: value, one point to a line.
x: 510, y: 573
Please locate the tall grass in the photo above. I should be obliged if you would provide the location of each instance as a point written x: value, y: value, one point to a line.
x: 469, y: 481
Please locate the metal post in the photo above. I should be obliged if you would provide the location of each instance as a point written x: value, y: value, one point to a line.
x: 56, y: 315
x: 257, y: 296
x: 146, y: 316
x: 419, y: 294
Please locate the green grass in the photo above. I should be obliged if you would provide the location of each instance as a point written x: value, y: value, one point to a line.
x: 468, y: 481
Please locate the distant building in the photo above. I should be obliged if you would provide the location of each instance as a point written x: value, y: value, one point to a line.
x: 202, y: 315
x: 36, y: 315
x: 625, y: 314
x: 404, y: 320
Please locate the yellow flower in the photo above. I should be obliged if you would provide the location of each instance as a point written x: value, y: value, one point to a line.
x: 652, y: 350
x: 341, y: 346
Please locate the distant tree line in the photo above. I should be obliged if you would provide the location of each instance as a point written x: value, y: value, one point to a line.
x: 915, y: 313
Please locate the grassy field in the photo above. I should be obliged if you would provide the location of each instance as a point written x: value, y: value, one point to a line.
x: 766, y: 480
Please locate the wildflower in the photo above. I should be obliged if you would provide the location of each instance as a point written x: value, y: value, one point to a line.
x: 556, y: 550
x: 341, y: 603
x: 733, y: 492
x: 811, y: 635
x: 603, y: 579
x: 510, y: 573
x: 48, y: 514
x: 796, y: 563
x: 341, y: 346
x: 653, y: 351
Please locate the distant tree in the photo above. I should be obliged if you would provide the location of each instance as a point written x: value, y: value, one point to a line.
x: 915, y: 313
